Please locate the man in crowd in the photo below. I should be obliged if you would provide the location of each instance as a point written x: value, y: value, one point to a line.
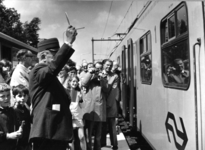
x: 117, y: 70
x: 95, y: 104
x: 84, y: 69
x: 52, y: 120
x: 20, y: 74
x: 112, y: 95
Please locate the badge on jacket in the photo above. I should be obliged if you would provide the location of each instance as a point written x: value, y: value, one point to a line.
x: 56, y: 107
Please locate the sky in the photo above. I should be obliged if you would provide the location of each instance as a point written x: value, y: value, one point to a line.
x: 101, y: 19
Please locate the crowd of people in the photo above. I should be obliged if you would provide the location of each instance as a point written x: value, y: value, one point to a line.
x: 53, y: 106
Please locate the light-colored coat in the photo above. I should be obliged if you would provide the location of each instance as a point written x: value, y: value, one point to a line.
x: 20, y: 76
x: 94, y: 98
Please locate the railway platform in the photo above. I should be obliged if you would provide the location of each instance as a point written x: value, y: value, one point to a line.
x: 122, y: 143
x: 128, y: 138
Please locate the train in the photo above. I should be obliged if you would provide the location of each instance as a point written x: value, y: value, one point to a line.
x: 162, y: 57
x: 9, y: 46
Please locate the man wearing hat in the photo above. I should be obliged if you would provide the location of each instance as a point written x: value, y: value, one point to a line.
x: 52, y: 121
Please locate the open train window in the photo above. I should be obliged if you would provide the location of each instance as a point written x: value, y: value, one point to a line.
x: 175, y: 49
x: 174, y: 25
x: 146, y: 58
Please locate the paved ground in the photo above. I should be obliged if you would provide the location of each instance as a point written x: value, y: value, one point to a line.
x: 122, y: 143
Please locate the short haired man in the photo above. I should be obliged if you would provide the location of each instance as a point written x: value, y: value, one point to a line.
x: 52, y: 120
x: 20, y: 74
x: 112, y: 94
x: 95, y: 104
x: 178, y: 74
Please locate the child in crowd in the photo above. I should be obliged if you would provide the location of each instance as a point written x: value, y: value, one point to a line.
x: 76, y: 108
x: 21, y: 94
x: 9, y: 133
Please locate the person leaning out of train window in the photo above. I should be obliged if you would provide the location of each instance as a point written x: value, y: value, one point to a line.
x: 146, y: 65
x: 177, y: 73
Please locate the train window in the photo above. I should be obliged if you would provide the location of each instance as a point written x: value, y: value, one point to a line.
x: 164, y: 33
x: 146, y: 59
x: 171, y: 25
x: 182, y: 21
x: 175, y: 53
x: 149, y: 42
x: 174, y: 25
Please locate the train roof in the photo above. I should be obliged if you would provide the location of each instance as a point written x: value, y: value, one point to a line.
x: 16, y: 43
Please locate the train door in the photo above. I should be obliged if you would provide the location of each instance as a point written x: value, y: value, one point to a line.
x: 138, y: 85
x: 135, y: 84
x: 131, y: 82
x: 127, y: 76
x: 123, y: 84
x: 143, y: 50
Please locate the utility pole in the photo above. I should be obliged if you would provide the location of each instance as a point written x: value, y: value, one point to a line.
x: 101, y: 40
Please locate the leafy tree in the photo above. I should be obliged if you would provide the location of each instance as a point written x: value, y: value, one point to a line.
x: 30, y: 31
x: 12, y: 26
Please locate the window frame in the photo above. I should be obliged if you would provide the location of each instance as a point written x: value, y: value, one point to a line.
x: 179, y: 38
x: 146, y: 53
x: 167, y: 17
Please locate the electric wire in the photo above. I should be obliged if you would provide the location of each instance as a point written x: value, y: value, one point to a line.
x: 119, y: 25
x: 123, y: 18
x: 106, y: 23
x: 107, y: 19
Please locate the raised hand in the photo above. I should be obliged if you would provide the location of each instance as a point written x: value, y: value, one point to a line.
x: 71, y: 34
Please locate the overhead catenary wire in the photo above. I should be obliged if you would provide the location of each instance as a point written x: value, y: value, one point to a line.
x: 135, y: 20
x: 107, y: 19
x: 123, y: 19
x: 121, y: 24
x: 106, y: 23
x: 108, y: 47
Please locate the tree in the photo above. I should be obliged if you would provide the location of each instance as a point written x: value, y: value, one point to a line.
x: 30, y: 31
x: 12, y: 26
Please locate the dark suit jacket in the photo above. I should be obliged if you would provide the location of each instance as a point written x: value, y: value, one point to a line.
x: 45, y: 91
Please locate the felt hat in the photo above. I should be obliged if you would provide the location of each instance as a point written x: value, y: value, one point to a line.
x: 51, y: 44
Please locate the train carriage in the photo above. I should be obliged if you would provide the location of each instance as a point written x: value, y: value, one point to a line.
x: 163, y: 69
x: 9, y: 47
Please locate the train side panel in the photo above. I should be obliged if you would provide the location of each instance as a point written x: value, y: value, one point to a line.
x: 169, y: 117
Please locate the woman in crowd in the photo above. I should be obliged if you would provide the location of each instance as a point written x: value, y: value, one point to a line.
x: 76, y: 108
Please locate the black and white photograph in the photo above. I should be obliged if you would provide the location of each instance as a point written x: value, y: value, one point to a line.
x: 102, y: 75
